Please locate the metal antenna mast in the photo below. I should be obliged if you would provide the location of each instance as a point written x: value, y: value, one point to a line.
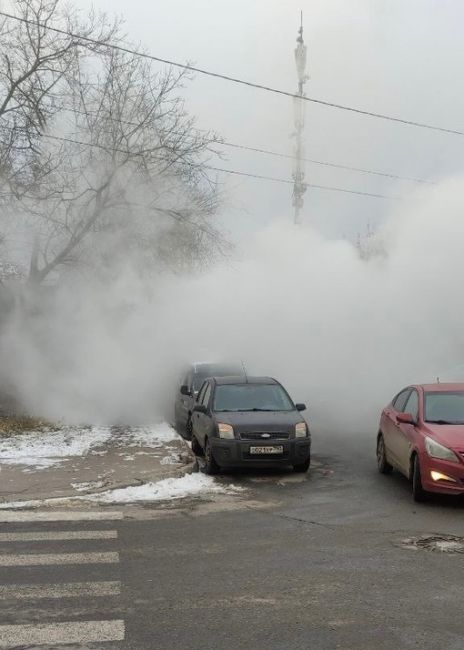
x: 299, y: 185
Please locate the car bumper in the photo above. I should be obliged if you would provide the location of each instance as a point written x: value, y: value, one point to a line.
x: 236, y: 453
x: 432, y: 468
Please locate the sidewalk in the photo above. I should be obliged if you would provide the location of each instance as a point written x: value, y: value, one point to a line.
x: 76, y: 461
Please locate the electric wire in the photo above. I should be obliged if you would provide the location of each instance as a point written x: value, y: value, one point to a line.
x: 217, y: 75
x: 276, y: 154
x: 224, y: 170
x: 329, y: 164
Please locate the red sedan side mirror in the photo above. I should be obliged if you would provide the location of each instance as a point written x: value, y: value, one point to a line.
x: 405, y: 418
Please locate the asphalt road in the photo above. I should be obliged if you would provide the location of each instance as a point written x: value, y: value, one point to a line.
x: 295, y: 562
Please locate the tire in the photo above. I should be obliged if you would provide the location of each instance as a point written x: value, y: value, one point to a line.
x: 196, y: 447
x: 383, y: 465
x: 188, y: 428
x: 211, y: 467
x: 302, y: 467
x: 419, y: 494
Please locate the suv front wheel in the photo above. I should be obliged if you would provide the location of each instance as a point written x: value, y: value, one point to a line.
x: 302, y: 467
x: 196, y: 447
x: 211, y: 467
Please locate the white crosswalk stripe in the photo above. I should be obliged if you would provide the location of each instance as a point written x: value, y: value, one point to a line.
x: 32, y: 559
x: 77, y: 515
x: 33, y: 536
x: 62, y: 590
x: 58, y: 535
x: 15, y: 636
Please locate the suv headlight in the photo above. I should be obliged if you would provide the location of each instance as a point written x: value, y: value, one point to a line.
x: 435, y: 450
x: 226, y: 431
x: 301, y: 430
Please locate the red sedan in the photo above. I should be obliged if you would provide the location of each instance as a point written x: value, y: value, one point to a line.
x: 421, y: 434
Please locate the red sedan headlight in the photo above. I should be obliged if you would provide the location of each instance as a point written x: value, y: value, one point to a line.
x: 435, y: 450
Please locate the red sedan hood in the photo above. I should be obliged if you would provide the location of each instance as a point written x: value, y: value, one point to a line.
x: 450, y: 435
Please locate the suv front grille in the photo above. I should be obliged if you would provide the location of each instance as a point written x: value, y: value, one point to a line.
x: 262, y: 436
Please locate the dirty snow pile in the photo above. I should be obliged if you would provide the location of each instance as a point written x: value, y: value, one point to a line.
x: 172, y: 459
x: 47, y: 447
x: 86, y: 486
x: 189, y: 485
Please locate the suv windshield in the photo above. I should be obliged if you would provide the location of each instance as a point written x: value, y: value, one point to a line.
x: 444, y: 408
x: 251, y: 397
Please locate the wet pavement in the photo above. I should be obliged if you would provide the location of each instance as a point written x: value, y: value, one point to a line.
x: 295, y: 562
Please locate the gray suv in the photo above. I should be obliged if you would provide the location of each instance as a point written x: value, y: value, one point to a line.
x: 189, y: 387
x: 249, y: 422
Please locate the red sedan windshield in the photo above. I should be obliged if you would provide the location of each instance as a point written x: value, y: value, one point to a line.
x: 444, y: 407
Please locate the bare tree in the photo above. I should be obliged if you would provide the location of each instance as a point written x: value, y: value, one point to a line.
x: 35, y: 66
x: 131, y: 177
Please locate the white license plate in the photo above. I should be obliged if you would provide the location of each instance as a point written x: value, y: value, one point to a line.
x: 275, y: 449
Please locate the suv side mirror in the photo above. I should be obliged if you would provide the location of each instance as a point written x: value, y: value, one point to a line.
x: 184, y: 390
x: 405, y: 418
x: 200, y: 408
x: 300, y: 407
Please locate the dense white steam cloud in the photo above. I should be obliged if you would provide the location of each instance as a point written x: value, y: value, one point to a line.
x: 341, y: 333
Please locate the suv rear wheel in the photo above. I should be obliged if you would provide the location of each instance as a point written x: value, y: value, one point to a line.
x: 189, y: 428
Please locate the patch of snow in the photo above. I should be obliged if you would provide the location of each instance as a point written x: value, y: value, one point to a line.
x: 169, y: 488
x: 45, y: 448
x: 42, y: 449
x: 172, y: 459
x: 447, y: 545
x: 91, y: 485
x: 151, y: 436
x: 35, y: 503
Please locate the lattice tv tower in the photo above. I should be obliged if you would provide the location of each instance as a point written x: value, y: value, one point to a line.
x: 299, y: 185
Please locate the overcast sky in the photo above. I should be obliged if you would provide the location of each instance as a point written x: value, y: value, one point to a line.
x: 389, y: 56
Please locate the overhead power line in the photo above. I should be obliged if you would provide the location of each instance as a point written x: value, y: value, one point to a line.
x: 236, y: 80
x: 312, y: 185
x: 329, y: 164
x: 277, y: 154
x: 233, y: 172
